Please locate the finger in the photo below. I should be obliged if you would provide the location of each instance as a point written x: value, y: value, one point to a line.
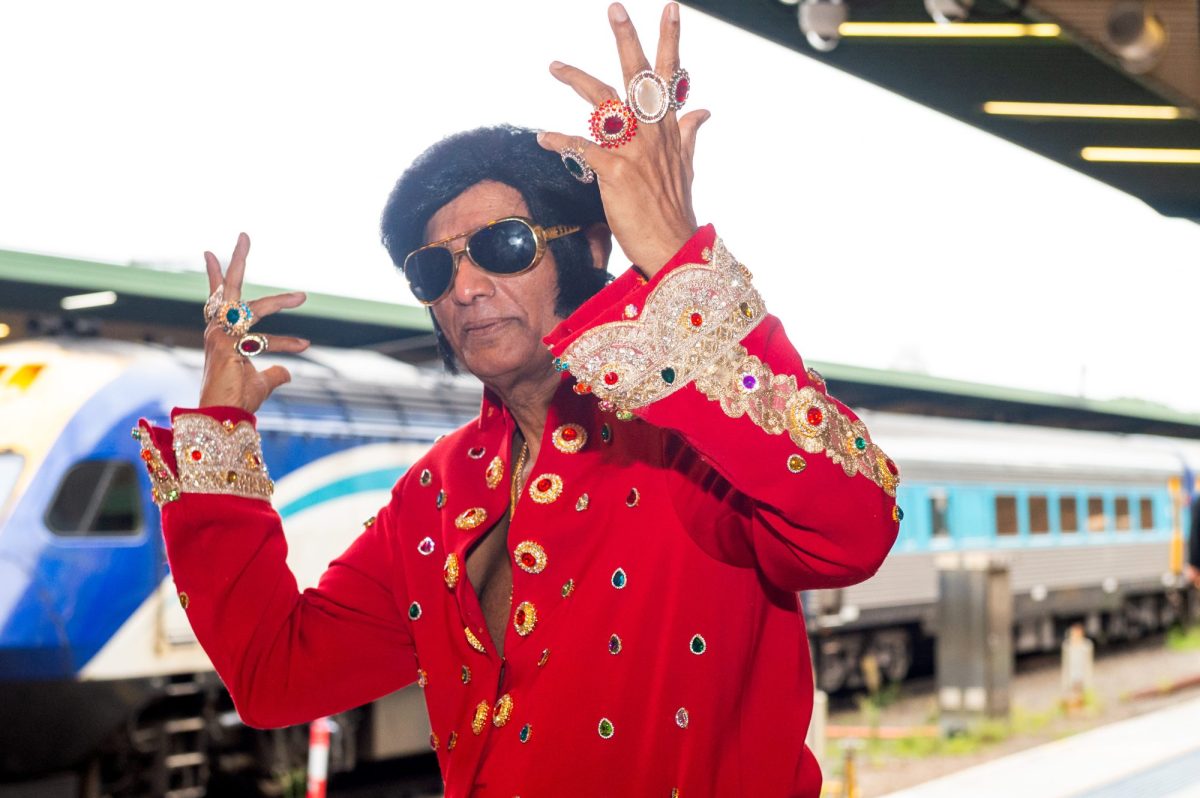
x: 597, y: 157
x: 213, y: 267
x: 276, y: 376
x: 667, y: 60
x: 589, y: 88
x: 237, y: 269
x: 688, y: 125
x: 286, y: 343
x: 629, y: 47
x: 261, y: 308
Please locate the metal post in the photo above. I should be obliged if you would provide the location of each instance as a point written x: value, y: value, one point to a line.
x: 974, y: 643
x: 1077, y: 655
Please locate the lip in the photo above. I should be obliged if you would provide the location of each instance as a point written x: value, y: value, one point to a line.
x: 484, y: 326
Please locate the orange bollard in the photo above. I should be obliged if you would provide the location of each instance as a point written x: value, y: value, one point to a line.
x: 318, y: 757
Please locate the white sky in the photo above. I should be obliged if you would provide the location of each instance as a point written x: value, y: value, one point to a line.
x: 883, y: 234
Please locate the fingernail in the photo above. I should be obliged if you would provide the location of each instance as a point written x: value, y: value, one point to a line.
x: 541, y: 137
x: 673, y: 11
x: 618, y: 12
x: 557, y: 65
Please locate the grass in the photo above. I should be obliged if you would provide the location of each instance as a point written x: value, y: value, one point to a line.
x: 1183, y: 639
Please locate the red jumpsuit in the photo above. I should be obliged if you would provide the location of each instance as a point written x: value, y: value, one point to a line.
x: 656, y: 646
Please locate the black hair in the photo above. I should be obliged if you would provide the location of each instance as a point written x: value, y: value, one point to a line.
x: 512, y: 156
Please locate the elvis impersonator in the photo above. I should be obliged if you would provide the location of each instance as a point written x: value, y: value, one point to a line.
x: 679, y: 476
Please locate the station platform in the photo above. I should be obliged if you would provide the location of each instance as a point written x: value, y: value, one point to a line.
x: 1156, y: 755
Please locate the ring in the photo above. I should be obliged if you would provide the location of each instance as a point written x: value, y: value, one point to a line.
x: 214, y: 302
x: 577, y: 165
x: 648, y: 97
x: 252, y: 345
x: 681, y: 87
x: 613, y: 124
x: 235, y: 318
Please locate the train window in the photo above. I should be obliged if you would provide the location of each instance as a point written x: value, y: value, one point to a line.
x: 97, y: 498
x: 1095, y: 511
x: 1146, y: 513
x: 939, y: 505
x: 1006, y: 515
x: 1068, y: 514
x: 1124, y: 517
x: 1039, y: 515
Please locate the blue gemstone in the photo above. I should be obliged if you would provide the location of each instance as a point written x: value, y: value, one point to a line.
x: 232, y: 315
x: 618, y: 578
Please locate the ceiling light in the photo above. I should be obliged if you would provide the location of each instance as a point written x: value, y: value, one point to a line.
x: 820, y: 20
x: 81, y: 301
x: 1087, y: 110
x: 951, y: 30
x: 1135, y: 35
x: 1140, y: 155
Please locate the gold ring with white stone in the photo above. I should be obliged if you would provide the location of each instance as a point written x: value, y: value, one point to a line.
x: 214, y: 303
x: 649, y: 97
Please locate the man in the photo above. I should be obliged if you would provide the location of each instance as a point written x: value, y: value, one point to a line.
x: 595, y: 581
x: 1193, y: 558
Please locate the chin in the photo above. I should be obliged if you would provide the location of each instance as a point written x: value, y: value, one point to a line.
x: 500, y: 362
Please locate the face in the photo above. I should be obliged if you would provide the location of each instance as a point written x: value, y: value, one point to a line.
x: 494, y: 324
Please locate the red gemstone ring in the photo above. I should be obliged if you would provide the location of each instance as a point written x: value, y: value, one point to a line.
x: 252, y: 345
x: 613, y: 124
x: 681, y: 87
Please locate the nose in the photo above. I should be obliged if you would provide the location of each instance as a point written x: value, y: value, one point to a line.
x: 470, y: 281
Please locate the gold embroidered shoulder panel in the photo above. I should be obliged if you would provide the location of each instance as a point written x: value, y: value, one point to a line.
x: 220, y: 457
x: 697, y: 312
x: 744, y: 385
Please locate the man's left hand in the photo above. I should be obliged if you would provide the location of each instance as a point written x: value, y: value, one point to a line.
x: 646, y: 184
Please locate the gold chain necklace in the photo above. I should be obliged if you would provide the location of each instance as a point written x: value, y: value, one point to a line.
x: 518, y: 479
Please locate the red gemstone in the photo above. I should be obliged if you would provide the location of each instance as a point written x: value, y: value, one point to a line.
x: 470, y: 513
x: 250, y: 346
x: 543, y: 485
x: 146, y: 455
x: 569, y: 434
x: 520, y: 617
x: 814, y: 416
x: 681, y: 90
x: 613, y: 124
x: 582, y: 388
x: 528, y: 560
x: 197, y: 455
x: 611, y: 378
x: 697, y: 319
x: 891, y: 466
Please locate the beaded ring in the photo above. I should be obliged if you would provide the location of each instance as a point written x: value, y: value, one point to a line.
x: 613, y: 124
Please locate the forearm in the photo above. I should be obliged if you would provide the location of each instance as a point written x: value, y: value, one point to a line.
x: 285, y: 656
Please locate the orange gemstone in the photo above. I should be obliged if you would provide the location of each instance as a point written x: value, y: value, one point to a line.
x: 569, y: 434
x: 544, y: 485
x: 814, y: 416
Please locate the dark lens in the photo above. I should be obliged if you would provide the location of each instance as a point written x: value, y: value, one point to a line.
x: 428, y: 272
x: 504, y: 247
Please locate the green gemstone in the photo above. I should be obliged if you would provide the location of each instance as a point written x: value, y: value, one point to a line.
x: 624, y: 415
x: 618, y: 578
x: 605, y: 433
x: 568, y: 588
x: 574, y: 167
x: 232, y: 315
x: 899, y: 513
x: 668, y: 375
x: 605, y: 728
x: 698, y: 645
x: 136, y: 433
x: 172, y: 495
x: 525, y: 731
x: 860, y: 443
x: 414, y: 611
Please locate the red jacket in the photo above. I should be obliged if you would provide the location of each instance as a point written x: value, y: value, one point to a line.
x: 656, y: 645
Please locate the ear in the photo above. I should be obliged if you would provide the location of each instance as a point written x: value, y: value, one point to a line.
x: 600, y: 240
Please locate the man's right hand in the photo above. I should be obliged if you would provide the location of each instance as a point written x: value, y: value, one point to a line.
x: 230, y: 379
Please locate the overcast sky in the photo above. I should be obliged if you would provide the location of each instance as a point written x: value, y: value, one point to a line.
x: 883, y: 234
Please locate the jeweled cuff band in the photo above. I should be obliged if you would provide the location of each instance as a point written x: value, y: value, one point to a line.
x: 216, y: 457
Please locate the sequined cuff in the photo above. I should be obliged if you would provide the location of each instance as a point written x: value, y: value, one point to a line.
x: 744, y: 385
x: 699, y: 312
x: 164, y: 487
x: 220, y: 457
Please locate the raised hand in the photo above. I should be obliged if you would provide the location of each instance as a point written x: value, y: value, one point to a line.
x: 646, y: 184
x: 230, y: 379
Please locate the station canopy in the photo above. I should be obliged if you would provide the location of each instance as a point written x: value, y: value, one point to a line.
x: 1109, y: 88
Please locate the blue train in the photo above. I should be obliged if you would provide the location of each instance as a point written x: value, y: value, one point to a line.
x: 104, y: 691
x: 101, y: 680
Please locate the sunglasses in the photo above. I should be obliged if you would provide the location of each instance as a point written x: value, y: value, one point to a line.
x: 505, y: 247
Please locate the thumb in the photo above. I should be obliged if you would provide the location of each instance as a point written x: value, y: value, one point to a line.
x: 688, y: 125
x: 276, y: 376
